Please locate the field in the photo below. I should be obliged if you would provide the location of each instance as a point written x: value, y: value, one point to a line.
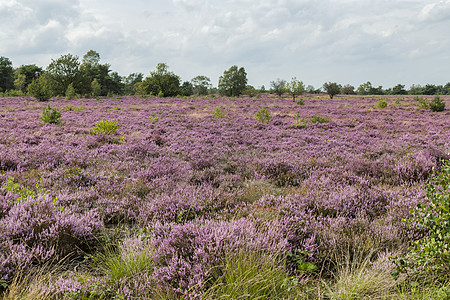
x: 164, y: 198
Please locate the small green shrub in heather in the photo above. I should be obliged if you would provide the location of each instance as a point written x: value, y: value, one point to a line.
x: 437, y: 104
x: 382, y: 103
x: 422, y: 102
x: 318, y: 119
x: 107, y: 127
x: 431, y: 254
x: 263, y: 115
x: 218, y: 113
x: 51, y: 115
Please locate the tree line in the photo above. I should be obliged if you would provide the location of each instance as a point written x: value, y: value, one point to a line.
x: 68, y: 76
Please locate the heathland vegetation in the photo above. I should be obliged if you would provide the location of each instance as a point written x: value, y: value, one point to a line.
x: 227, y: 193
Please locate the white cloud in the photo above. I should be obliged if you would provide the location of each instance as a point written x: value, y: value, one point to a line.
x: 316, y: 41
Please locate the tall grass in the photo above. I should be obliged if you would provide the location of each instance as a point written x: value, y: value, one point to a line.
x: 250, y: 274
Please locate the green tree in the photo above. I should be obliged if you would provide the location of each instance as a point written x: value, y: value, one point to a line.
x: 62, y: 72
x: 187, y: 89
x: 368, y: 89
x: 430, y: 89
x: 6, y: 74
x: 201, y: 85
x: 70, y: 92
x: 131, y: 83
x: 278, y: 86
x: 415, y: 89
x: 348, y: 89
x: 40, y: 89
x: 20, y: 83
x: 399, y: 89
x: 25, y: 75
x: 162, y: 82
x: 96, y: 88
x: 91, y: 69
x: 332, y: 88
x: 295, y: 88
x: 233, y: 81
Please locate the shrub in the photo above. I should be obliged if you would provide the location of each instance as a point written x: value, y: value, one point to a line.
x: 51, y: 115
x: 431, y: 254
x: 437, y: 104
x: 108, y: 127
x: 318, y: 119
x: 382, y: 103
x: 218, y: 113
x: 70, y: 92
x: 263, y: 115
x: 422, y: 102
x: 40, y: 89
x: 38, y: 230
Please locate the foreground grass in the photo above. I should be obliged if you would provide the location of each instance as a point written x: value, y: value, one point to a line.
x: 249, y: 275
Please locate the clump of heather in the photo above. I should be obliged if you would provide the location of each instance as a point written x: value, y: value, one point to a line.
x: 38, y: 230
x: 187, y: 255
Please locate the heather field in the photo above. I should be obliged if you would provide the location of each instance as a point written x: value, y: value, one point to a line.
x: 250, y: 198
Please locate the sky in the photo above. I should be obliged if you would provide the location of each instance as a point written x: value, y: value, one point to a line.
x: 344, y: 41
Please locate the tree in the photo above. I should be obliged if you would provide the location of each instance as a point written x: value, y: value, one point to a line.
x: 131, y: 83
x: 295, y: 88
x: 114, y: 84
x: 162, y: 82
x: 332, y: 88
x: 25, y: 75
x: 430, y: 89
x: 399, y: 89
x: 187, y: 89
x: 310, y: 89
x: 96, y: 88
x: 201, y: 85
x: 278, y: 86
x: 233, y: 81
x: 348, y: 89
x: 368, y: 89
x: 91, y: 69
x: 39, y: 88
x: 62, y: 72
x: 6, y: 74
x: 415, y: 89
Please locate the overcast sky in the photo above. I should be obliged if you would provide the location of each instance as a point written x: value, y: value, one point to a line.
x: 344, y: 41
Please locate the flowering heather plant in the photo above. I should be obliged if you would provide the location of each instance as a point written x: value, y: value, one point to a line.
x: 38, y: 230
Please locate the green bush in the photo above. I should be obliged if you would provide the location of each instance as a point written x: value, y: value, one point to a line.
x: 40, y: 89
x: 437, y: 104
x: 431, y: 254
x: 218, y: 113
x: 382, y: 103
x: 70, y: 92
x: 318, y: 119
x: 422, y: 102
x: 51, y: 115
x: 263, y: 115
x: 108, y: 127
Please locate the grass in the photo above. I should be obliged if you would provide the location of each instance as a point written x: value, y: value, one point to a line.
x: 31, y: 285
x: 121, y: 263
x: 253, y: 275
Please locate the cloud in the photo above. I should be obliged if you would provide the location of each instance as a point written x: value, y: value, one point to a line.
x: 315, y: 40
